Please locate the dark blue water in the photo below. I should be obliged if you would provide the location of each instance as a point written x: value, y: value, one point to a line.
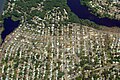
x: 83, y: 13
x: 9, y: 26
x: 75, y: 6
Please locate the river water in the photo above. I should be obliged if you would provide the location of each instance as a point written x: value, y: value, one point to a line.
x: 83, y: 13
x: 9, y: 25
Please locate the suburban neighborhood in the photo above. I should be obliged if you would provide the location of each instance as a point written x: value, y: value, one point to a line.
x: 104, y: 8
x: 53, y: 48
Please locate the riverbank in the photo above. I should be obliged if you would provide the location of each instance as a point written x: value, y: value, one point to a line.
x: 9, y: 26
x: 83, y: 12
x: 104, y: 8
x: 2, y: 4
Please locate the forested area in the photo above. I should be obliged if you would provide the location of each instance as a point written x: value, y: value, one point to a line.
x: 26, y: 8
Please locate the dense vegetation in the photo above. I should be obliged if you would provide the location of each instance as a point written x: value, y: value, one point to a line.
x: 24, y: 6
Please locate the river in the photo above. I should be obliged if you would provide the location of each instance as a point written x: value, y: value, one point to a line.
x: 9, y: 26
x: 83, y: 13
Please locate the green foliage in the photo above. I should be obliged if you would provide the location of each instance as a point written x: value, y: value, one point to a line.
x: 60, y: 74
x: 85, y: 2
x: 78, y: 78
x: 73, y: 18
x: 89, y: 24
